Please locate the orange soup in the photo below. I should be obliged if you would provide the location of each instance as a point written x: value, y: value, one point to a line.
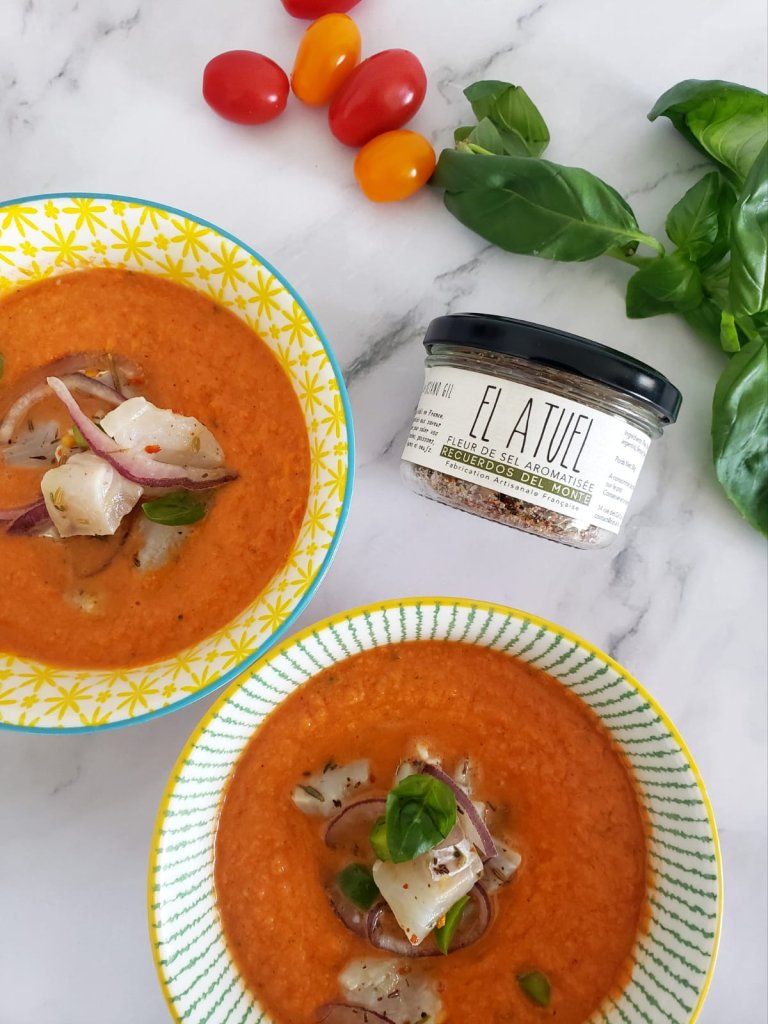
x: 560, y: 794
x: 81, y: 601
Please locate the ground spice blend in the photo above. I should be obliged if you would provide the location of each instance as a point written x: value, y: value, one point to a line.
x: 534, y: 427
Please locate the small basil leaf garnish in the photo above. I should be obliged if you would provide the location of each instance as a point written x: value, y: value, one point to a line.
x: 536, y: 987
x: 444, y: 934
x: 180, y: 508
x: 421, y: 811
x: 357, y: 884
x: 378, y: 839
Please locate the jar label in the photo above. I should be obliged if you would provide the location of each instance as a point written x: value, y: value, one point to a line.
x: 528, y: 443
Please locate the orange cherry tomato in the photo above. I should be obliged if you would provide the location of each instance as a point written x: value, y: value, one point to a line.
x: 394, y: 165
x: 327, y: 55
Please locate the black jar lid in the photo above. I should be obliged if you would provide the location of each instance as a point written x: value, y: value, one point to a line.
x: 552, y: 347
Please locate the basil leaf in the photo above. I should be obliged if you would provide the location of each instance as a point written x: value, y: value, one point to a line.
x: 378, y: 838
x: 729, y: 335
x: 666, y: 285
x: 357, y: 884
x: 754, y: 328
x: 180, y: 508
x: 444, y: 935
x: 536, y: 987
x: 694, y: 221
x: 463, y: 132
x: 705, y: 320
x: 486, y: 139
x: 514, y: 114
x: 722, y: 243
x: 749, y: 242
x: 740, y: 432
x: 538, y: 208
x: 726, y: 121
x: 515, y: 111
x: 483, y: 95
x: 421, y: 811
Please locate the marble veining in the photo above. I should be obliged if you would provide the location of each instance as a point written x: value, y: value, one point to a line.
x: 103, y: 95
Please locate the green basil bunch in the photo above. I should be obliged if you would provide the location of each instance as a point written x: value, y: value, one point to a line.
x: 716, y: 276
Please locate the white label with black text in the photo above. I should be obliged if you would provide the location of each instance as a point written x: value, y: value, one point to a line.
x: 527, y: 443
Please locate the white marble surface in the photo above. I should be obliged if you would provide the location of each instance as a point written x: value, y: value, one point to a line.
x: 103, y: 95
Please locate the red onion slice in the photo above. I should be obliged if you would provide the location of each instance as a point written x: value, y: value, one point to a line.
x: 34, y: 518
x: 384, y: 932
x: 137, y: 465
x: 8, y: 515
x: 350, y: 822
x: 345, y: 1013
x: 351, y: 917
x: 69, y: 370
x: 482, y: 836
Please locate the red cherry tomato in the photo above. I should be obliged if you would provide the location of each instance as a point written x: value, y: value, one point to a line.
x: 382, y: 94
x: 245, y: 87
x: 326, y: 58
x: 311, y: 9
x: 394, y: 165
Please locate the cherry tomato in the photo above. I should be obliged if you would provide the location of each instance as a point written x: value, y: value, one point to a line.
x: 245, y: 87
x: 326, y: 58
x: 382, y: 94
x: 311, y: 9
x: 394, y: 165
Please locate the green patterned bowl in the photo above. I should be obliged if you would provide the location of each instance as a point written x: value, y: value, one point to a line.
x: 45, y: 235
x: 673, y: 961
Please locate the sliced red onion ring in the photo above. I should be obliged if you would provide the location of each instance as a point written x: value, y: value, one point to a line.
x: 482, y: 837
x: 137, y: 465
x: 345, y: 1013
x: 353, y: 819
x: 384, y: 932
x: 70, y: 369
x: 8, y: 515
x: 351, y: 917
x: 31, y: 520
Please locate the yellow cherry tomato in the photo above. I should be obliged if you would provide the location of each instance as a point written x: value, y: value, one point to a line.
x: 394, y: 165
x: 327, y: 55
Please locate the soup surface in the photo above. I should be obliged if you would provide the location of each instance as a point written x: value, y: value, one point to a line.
x: 576, y: 903
x: 197, y: 358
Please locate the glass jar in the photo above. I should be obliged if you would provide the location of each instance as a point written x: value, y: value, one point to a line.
x: 534, y: 428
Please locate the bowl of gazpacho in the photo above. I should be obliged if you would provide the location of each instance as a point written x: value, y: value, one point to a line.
x: 175, y: 459
x: 435, y: 811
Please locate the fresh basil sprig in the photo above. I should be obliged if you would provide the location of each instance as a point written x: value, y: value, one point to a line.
x: 357, y: 884
x: 716, y: 277
x: 421, y: 811
x: 180, y: 508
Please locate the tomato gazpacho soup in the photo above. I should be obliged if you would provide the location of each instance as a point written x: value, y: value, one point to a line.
x: 154, y: 468
x: 431, y: 832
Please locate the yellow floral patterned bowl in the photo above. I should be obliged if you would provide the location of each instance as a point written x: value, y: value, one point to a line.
x: 45, y: 235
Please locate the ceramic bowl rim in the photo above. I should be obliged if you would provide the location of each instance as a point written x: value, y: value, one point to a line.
x: 413, y: 602
x: 232, y: 674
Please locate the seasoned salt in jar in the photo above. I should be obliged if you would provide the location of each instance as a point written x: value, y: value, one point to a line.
x: 533, y: 427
